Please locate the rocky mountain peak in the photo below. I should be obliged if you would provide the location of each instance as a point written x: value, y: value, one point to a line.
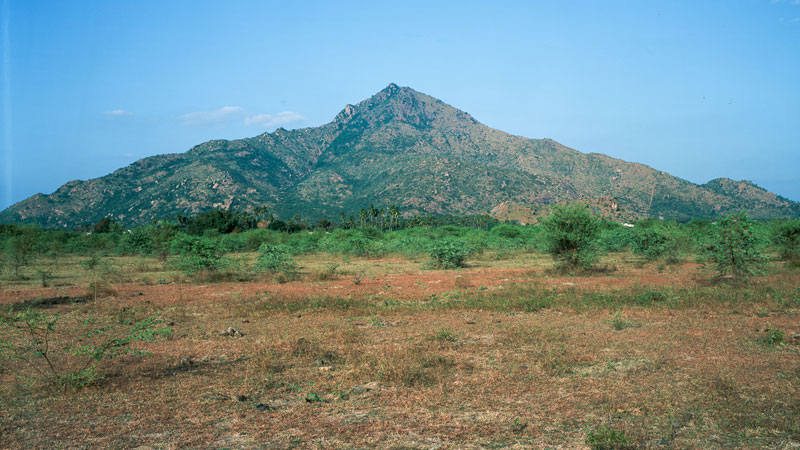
x: 346, y: 114
x: 399, y: 146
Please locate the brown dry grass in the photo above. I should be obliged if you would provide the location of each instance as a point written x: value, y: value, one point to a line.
x: 498, y: 355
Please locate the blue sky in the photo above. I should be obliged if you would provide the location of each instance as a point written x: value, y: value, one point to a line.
x: 700, y: 89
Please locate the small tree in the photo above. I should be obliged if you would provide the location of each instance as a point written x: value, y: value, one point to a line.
x: 736, y: 249
x: 451, y: 253
x: 39, y: 346
x: 92, y: 265
x: 572, y: 236
x: 199, y: 254
x: 20, y: 251
x: 275, y: 259
x: 659, y: 240
x: 106, y: 225
x: 786, y: 236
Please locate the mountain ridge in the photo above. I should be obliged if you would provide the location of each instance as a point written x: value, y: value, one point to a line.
x: 399, y: 146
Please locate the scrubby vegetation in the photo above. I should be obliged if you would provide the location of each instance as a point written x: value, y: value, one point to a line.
x: 444, y: 331
x: 572, y: 236
x: 735, y: 247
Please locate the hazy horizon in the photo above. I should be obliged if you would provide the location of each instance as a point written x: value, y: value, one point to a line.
x: 699, y: 91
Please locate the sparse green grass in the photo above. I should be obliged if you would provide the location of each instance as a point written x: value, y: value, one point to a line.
x: 619, y: 322
x: 410, y: 358
x: 606, y: 437
x: 773, y: 337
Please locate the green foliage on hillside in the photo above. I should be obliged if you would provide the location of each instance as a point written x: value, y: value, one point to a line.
x: 399, y: 147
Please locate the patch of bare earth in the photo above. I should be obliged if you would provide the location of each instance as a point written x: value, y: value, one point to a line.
x: 375, y: 365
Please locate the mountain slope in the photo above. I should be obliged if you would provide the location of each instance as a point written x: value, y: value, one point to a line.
x: 399, y: 146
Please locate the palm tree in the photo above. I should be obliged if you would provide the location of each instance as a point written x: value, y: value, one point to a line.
x: 394, y: 214
x: 362, y: 215
x: 373, y: 212
x: 260, y: 212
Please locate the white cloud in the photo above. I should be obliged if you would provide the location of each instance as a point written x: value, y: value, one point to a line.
x: 273, y: 120
x: 220, y: 116
x: 118, y: 113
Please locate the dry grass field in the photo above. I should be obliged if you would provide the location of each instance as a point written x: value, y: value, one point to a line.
x: 384, y: 353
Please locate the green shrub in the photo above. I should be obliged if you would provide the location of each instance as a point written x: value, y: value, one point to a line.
x: 736, y: 248
x: 446, y: 335
x: 615, y: 237
x: 304, y: 243
x: 507, y: 231
x: 20, y: 250
x: 571, y: 236
x: 252, y: 239
x: 198, y: 254
x: 659, y: 241
x: 786, y: 236
x: 450, y: 253
x: 221, y: 221
x: 45, y: 349
x: 619, y: 322
x: 275, y: 259
x: 773, y: 337
x: 408, y: 244
x: 136, y: 241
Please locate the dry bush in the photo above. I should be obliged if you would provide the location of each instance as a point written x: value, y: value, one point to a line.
x: 327, y: 274
x: 463, y: 282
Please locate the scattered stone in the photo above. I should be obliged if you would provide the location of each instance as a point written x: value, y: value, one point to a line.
x: 231, y: 332
x: 245, y: 321
x: 186, y: 362
x: 263, y: 407
x: 372, y: 386
x: 326, y: 368
x: 796, y: 338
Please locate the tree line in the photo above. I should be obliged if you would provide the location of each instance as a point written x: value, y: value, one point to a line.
x: 572, y: 234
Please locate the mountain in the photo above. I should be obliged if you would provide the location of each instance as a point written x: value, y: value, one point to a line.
x: 398, y: 147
